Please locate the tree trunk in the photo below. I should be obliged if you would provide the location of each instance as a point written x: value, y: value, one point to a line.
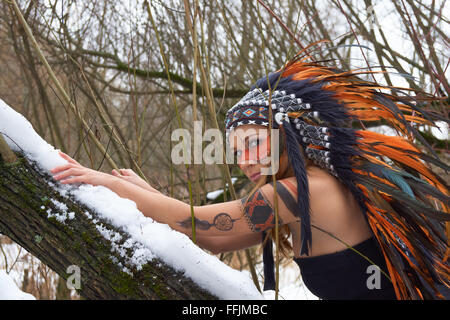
x: 25, y: 197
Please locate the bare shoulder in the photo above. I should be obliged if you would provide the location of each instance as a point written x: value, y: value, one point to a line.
x: 334, y: 208
x: 320, y: 182
x: 327, y: 192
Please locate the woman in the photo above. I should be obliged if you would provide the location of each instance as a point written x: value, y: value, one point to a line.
x: 351, y: 199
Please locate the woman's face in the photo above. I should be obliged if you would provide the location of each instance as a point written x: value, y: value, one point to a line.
x: 251, y: 146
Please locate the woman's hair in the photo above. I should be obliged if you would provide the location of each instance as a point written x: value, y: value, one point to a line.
x: 285, y: 170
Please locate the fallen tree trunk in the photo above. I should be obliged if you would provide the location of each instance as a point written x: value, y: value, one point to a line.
x: 27, y: 196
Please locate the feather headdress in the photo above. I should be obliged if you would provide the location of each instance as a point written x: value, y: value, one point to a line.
x: 406, y: 205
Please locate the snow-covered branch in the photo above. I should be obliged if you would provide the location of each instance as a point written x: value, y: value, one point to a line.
x: 121, y: 254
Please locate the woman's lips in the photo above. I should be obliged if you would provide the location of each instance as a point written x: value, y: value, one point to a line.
x: 255, y: 176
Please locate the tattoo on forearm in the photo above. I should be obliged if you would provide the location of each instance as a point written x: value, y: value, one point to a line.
x: 259, y: 214
x: 222, y: 222
x: 199, y: 224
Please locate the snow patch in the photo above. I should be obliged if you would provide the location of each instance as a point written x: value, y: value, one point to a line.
x: 9, y: 290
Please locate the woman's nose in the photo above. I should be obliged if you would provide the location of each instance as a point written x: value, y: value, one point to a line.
x: 248, y: 158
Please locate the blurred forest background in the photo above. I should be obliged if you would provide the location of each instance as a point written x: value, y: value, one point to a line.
x: 136, y: 70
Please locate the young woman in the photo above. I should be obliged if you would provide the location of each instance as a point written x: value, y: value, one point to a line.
x: 365, y: 214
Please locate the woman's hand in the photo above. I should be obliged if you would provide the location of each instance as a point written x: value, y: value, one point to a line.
x: 73, y: 172
x: 130, y: 176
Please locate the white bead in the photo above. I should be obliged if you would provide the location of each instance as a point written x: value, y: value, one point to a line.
x: 279, y: 117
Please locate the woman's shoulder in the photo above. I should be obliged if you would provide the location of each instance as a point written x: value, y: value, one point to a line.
x: 332, y: 202
x: 319, y: 181
x: 326, y: 192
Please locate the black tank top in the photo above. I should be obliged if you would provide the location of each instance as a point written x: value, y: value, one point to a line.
x: 347, y: 275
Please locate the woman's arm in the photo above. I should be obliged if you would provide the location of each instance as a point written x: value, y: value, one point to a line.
x: 223, y: 219
x: 130, y: 176
x: 228, y: 243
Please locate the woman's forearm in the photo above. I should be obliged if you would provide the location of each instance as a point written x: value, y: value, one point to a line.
x: 228, y: 243
x: 130, y: 176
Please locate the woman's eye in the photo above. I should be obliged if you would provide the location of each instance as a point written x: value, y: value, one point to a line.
x: 253, y: 143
